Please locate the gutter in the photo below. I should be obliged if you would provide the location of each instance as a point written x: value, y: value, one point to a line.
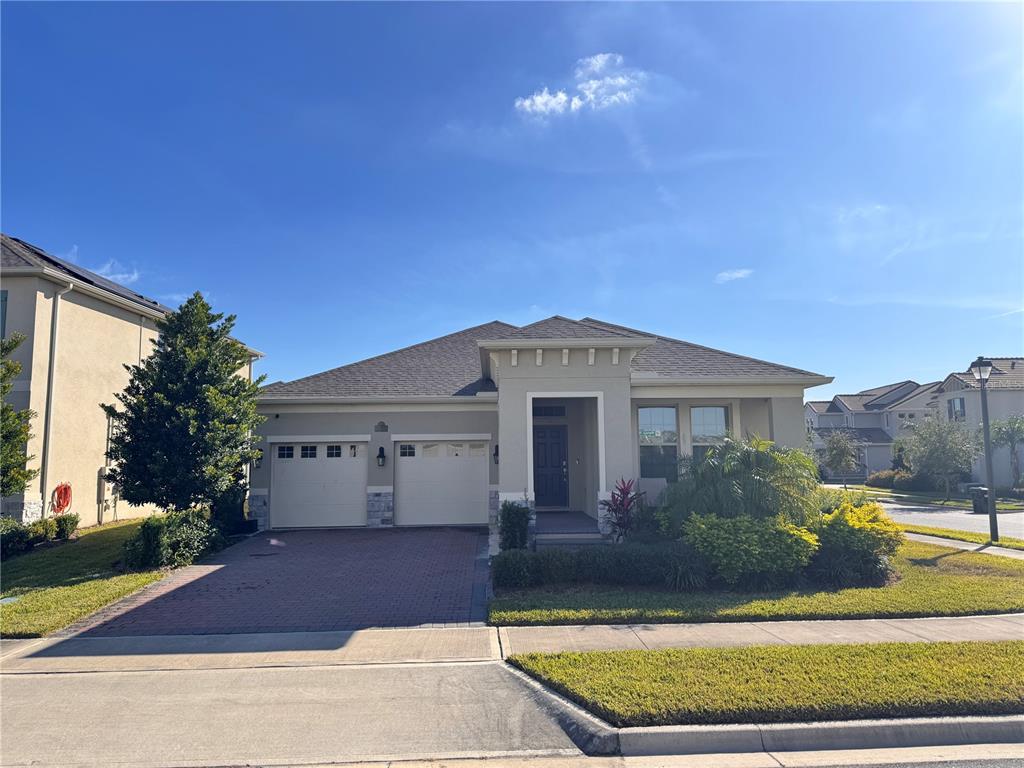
x: 50, y: 377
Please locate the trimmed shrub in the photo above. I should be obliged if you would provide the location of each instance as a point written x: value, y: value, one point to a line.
x: 172, y: 540
x: 883, y: 479
x: 228, y: 510
x: 513, y: 525
x: 44, y: 529
x: 749, y: 552
x: 857, y: 544
x: 649, y: 523
x: 67, y: 524
x: 905, y: 481
x: 514, y: 569
x: 828, y: 500
x: 675, y: 565
x: 14, y: 538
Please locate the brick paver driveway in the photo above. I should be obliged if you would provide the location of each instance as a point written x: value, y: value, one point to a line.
x: 299, y: 581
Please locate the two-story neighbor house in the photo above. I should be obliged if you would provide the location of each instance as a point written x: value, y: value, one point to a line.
x: 959, y: 399
x: 81, y: 330
x: 874, y: 417
x: 554, y: 413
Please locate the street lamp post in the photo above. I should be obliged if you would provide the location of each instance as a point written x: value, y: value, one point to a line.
x: 982, y: 369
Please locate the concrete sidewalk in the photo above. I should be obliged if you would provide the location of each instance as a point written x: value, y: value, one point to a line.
x: 467, y: 645
x: 515, y: 640
x: 968, y: 546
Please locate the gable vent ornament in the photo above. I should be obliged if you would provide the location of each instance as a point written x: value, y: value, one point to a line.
x: 380, y: 426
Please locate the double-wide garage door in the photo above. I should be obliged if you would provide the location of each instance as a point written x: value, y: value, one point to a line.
x: 323, y: 485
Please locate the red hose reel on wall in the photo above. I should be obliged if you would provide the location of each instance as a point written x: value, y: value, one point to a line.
x: 61, y: 498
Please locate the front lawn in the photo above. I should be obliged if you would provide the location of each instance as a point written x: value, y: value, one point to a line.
x: 934, y: 581
x: 1003, y: 504
x: 975, y: 538
x: 57, y: 586
x: 771, y: 684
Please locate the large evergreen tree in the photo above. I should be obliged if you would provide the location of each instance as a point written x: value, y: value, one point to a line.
x: 15, y: 426
x: 183, y: 433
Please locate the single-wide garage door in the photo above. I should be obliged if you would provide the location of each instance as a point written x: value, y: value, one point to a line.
x: 318, y: 485
x: 441, y: 483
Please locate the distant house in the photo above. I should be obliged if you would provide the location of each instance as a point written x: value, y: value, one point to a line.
x: 958, y: 398
x: 81, y: 330
x: 874, y: 418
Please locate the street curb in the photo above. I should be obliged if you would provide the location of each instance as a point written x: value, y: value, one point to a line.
x: 592, y: 735
x: 799, y: 737
x: 595, y: 737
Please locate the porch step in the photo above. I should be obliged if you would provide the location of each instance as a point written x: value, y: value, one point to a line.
x: 570, y: 539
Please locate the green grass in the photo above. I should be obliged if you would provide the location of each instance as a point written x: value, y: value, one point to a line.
x: 771, y: 684
x: 936, y: 499
x: 975, y: 538
x: 57, y: 586
x: 933, y: 581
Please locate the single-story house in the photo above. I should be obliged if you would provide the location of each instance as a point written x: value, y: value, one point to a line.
x: 552, y: 413
x: 81, y: 330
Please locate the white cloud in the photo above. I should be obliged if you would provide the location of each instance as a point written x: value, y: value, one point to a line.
x: 71, y: 255
x: 114, y: 270
x: 601, y: 81
x: 733, y: 274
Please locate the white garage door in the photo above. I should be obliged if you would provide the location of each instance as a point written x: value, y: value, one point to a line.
x: 438, y: 483
x: 318, y: 485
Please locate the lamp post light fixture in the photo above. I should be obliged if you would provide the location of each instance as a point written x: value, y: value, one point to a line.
x: 982, y: 369
x: 380, y: 457
x: 495, y: 453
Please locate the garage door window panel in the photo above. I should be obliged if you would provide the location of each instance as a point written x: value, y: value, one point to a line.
x: 308, y: 452
x: 285, y: 451
x: 333, y: 451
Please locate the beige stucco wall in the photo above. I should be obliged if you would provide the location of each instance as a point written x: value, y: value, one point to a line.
x: 1002, y: 403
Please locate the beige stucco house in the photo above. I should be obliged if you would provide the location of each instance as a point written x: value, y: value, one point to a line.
x: 81, y: 330
x: 553, y: 413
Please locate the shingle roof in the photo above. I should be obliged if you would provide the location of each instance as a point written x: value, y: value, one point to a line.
x: 859, y: 434
x: 919, y: 390
x: 450, y: 365
x: 16, y: 253
x: 558, y: 327
x: 1007, y: 373
x: 673, y: 358
x: 819, y: 406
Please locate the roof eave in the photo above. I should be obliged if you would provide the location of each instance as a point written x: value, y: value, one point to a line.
x: 485, y: 397
x: 647, y: 380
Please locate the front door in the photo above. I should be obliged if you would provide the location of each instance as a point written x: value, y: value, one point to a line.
x: 551, y: 466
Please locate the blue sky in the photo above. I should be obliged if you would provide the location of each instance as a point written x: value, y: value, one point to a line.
x: 836, y: 186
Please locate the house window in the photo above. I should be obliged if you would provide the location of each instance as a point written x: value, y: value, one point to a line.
x: 286, y: 451
x: 333, y: 451
x: 709, y: 425
x: 910, y: 415
x: 308, y: 452
x: 659, y: 442
x: 407, y: 450
x: 956, y: 409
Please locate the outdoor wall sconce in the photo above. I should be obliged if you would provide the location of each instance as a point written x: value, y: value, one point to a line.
x: 380, y: 457
x: 495, y: 453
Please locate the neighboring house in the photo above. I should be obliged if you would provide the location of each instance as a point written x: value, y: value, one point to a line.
x: 873, y: 417
x: 440, y: 433
x: 81, y: 330
x: 959, y: 399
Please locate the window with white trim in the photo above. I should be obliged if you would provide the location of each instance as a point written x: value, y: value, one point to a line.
x: 709, y: 425
x: 308, y: 452
x: 286, y: 451
x: 407, y: 450
x: 333, y: 451
x: 956, y: 409
x: 659, y: 442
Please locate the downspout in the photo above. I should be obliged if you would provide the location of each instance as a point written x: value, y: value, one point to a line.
x: 50, y: 375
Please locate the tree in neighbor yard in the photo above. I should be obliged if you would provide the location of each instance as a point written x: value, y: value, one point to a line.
x: 1010, y: 432
x: 14, y: 425
x: 940, y: 448
x: 840, y: 453
x: 183, y: 430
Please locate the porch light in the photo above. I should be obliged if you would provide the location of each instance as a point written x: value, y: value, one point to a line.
x: 495, y: 453
x: 381, y: 458
x: 982, y: 369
